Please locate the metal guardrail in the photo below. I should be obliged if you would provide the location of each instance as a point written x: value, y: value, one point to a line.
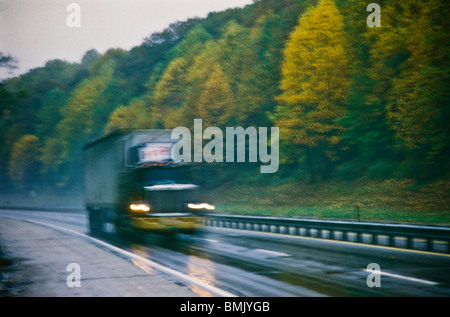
x: 429, y: 238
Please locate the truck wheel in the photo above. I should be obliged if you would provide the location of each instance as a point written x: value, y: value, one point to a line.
x: 122, y: 231
x: 95, y: 222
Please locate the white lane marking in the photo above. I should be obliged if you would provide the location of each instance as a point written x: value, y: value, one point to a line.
x: 412, y: 279
x: 210, y: 240
x: 214, y: 290
x: 272, y: 252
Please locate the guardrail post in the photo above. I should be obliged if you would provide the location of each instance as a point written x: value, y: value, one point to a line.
x: 359, y: 237
x: 429, y: 244
x: 391, y: 242
x: 410, y: 242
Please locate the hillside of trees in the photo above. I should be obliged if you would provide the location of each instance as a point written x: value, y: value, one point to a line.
x: 352, y: 102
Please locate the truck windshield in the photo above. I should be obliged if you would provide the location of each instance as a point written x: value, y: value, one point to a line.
x: 160, y: 175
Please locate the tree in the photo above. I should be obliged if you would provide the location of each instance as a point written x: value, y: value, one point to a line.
x: 80, y: 122
x: 216, y: 105
x: 50, y: 113
x: 8, y: 63
x: 136, y: 115
x: 239, y: 60
x: 90, y: 58
x: 198, y: 73
x: 52, y: 163
x: 191, y: 45
x: 170, y: 92
x: 169, y: 85
x: 410, y: 63
x: 368, y: 140
x: 315, y: 83
x: 24, y: 164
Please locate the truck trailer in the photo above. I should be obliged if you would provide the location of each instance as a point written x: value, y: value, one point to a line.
x: 133, y: 185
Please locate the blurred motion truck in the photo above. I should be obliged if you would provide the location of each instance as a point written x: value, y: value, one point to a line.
x: 132, y: 185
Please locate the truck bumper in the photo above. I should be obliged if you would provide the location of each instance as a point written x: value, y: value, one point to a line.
x: 167, y: 223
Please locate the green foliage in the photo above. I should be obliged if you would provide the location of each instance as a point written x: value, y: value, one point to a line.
x: 82, y: 119
x: 352, y: 102
x: 315, y: 84
x: 49, y: 115
x: 24, y: 164
x: 410, y: 66
x: 216, y: 104
x: 136, y: 115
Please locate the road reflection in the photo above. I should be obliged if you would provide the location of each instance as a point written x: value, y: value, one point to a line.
x: 202, y: 270
x: 187, y: 257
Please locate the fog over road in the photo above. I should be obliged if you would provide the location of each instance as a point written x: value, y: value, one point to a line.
x: 223, y: 262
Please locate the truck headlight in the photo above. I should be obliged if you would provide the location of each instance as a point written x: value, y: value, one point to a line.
x: 140, y: 207
x: 201, y: 206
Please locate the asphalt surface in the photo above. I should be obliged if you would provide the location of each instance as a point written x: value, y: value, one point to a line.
x: 227, y: 262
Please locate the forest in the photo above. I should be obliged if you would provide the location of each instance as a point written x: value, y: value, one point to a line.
x: 354, y: 104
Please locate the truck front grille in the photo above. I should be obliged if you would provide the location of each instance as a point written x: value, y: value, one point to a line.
x: 166, y: 201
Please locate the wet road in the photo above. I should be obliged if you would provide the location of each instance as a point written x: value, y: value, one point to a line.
x: 256, y: 264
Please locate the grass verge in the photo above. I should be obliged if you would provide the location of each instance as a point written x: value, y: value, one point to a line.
x: 397, y: 201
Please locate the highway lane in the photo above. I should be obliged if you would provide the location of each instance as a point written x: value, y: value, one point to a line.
x: 258, y: 264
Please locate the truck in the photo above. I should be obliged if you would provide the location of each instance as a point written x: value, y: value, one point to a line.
x: 132, y: 185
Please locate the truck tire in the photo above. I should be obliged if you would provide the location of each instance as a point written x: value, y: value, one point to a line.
x: 95, y: 222
x: 122, y: 231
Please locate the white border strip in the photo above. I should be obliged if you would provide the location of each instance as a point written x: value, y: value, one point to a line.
x: 412, y: 279
x: 275, y: 253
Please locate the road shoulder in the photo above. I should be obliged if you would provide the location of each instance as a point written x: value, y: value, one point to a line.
x: 44, y: 260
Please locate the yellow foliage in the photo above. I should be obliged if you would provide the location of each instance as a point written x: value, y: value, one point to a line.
x: 170, y: 90
x: 315, y: 78
x: 412, y: 86
x: 24, y: 161
x: 216, y: 103
x: 134, y: 116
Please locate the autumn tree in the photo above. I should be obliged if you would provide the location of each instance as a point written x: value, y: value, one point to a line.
x: 198, y: 74
x: 136, y: 115
x: 53, y: 164
x: 122, y: 118
x: 169, y: 85
x: 239, y: 59
x: 80, y: 121
x: 368, y: 140
x: 216, y: 105
x: 170, y: 92
x: 410, y: 64
x: 24, y: 163
x: 315, y: 83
